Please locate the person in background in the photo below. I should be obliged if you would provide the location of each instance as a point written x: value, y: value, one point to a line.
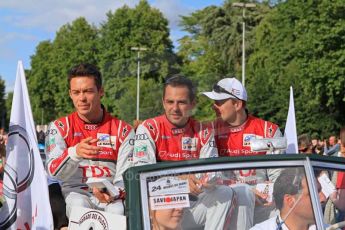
x: 333, y: 146
x: 89, y: 144
x: 304, y: 144
x: 3, y: 141
x: 292, y: 199
x: 41, y: 137
x: 314, y: 142
x: 58, y: 205
x: 335, y: 206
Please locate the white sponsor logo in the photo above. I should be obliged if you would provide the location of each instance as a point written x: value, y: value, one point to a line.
x: 189, y: 143
x: 168, y: 185
x: 248, y: 137
x: 169, y: 201
x: 90, y: 127
x: 105, y: 140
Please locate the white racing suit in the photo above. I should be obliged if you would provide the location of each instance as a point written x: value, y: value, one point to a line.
x: 116, y: 139
x: 158, y: 140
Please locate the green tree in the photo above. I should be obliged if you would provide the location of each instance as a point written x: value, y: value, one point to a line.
x: 213, y: 47
x: 150, y: 100
x: 142, y: 26
x: 39, y: 84
x: 301, y: 44
x: 74, y: 43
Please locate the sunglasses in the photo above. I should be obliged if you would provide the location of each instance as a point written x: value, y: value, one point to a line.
x: 219, y: 89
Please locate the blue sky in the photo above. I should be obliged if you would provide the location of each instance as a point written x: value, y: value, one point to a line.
x: 25, y: 23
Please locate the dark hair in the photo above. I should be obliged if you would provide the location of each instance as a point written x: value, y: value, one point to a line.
x: 288, y: 182
x: 180, y: 80
x: 85, y: 70
x: 303, y: 142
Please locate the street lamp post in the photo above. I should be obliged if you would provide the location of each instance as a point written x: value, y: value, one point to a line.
x: 243, y: 6
x: 138, y: 49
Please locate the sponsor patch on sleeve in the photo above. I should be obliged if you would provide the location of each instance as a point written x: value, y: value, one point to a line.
x: 50, y: 144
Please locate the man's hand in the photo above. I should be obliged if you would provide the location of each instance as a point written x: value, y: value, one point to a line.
x: 261, y: 198
x: 85, y: 149
x: 102, y: 196
x: 194, y: 184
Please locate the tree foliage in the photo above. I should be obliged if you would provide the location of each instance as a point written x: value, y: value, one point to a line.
x: 302, y: 45
x: 47, y: 80
x: 142, y: 26
x: 213, y: 47
x: 109, y: 47
x: 288, y: 43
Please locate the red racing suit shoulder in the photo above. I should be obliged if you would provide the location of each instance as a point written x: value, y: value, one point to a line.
x: 153, y: 126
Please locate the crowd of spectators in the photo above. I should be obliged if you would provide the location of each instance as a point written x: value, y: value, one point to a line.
x: 328, y: 147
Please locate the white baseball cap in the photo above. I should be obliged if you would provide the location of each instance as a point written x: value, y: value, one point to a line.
x: 227, y: 88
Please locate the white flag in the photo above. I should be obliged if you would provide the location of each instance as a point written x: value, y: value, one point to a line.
x: 25, y: 183
x: 290, y: 127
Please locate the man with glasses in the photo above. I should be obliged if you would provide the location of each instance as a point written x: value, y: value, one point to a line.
x: 234, y: 130
x: 176, y: 136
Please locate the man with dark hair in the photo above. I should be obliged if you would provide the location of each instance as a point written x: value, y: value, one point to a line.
x: 292, y: 199
x: 89, y: 144
x: 175, y: 136
x: 304, y: 144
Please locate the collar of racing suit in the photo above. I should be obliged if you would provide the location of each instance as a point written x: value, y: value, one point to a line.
x: 95, y: 125
x: 174, y: 129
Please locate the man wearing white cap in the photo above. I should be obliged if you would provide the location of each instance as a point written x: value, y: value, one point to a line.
x: 235, y: 128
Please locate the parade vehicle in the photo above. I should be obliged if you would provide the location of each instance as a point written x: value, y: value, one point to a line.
x: 153, y: 188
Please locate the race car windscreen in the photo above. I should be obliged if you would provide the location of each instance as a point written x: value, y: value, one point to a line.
x: 242, y: 198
